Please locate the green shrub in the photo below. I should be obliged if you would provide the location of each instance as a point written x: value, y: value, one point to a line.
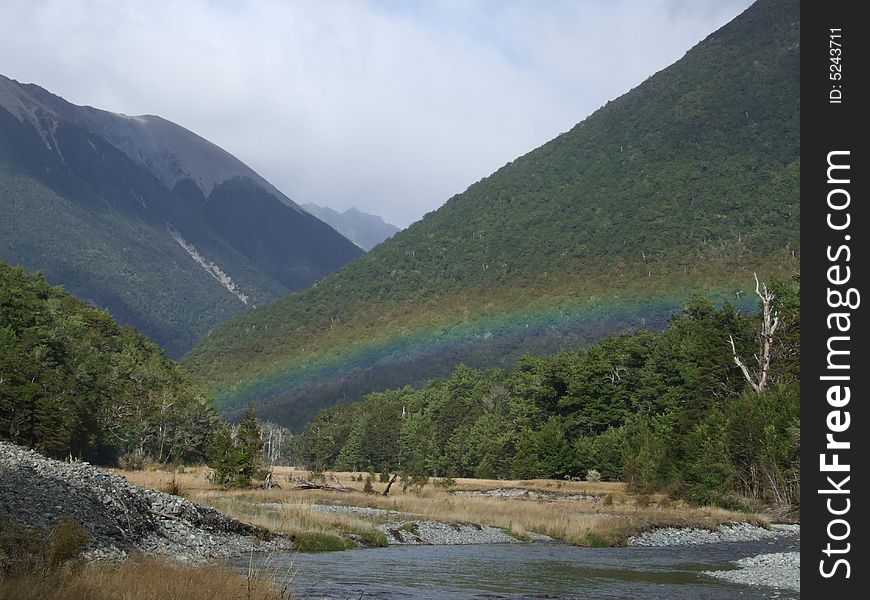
x: 372, y: 537
x: 596, y: 541
x: 132, y: 461
x: 312, y: 541
x: 68, y: 539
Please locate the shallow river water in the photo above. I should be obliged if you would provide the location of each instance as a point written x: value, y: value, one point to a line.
x: 514, y: 571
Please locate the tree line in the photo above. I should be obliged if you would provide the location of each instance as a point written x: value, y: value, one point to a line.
x: 75, y: 383
x: 667, y: 410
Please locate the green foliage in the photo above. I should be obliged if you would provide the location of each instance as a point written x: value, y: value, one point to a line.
x: 249, y: 446
x: 73, y: 382
x: 646, y: 456
x: 596, y: 541
x: 609, y: 450
x: 222, y: 455
x: 660, y: 411
x: 446, y: 482
x: 236, y: 458
x: 312, y: 541
x: 708, y: 470
x: 764, y: 434
x: 688, y: 181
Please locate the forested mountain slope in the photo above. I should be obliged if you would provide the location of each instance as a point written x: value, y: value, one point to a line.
x: 687, y: 183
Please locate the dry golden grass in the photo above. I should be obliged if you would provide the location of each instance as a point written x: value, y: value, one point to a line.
x: 143, y: 579
x: 580, y: 522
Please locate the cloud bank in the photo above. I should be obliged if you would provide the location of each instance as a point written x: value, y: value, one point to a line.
x: 389, y: 106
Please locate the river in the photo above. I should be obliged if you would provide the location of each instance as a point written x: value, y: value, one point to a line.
x: 514, y: 571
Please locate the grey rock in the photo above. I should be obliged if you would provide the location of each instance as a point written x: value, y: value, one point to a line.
x: 121, y: 517
x: 780, y: 570
x: 729, y: 532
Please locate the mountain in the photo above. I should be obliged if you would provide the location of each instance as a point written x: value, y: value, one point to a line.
x: 136, y: 214
x: 687, y: 183
x: 363, y: 229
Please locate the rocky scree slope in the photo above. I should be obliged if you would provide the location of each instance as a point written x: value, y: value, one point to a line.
x: 122, y: 517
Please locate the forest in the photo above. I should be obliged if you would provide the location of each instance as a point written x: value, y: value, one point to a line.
x: 664, y: 411
x: 73, y: 383
x: 680, y: 410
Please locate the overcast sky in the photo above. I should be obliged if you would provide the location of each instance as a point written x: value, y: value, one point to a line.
x: 391, y: 106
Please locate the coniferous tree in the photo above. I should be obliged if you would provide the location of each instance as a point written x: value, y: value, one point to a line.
x: 249, y: 447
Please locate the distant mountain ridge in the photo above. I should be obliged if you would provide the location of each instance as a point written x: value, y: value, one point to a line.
x: 363, y: 229
x: 687, y: 183
x: 170, y: 152
x: 168, y: 231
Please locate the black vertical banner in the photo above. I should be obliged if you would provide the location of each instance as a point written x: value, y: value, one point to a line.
x: 835, y: 369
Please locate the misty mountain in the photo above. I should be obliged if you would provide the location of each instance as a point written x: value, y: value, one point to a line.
x: 363, y: 229
x: 137, y: 214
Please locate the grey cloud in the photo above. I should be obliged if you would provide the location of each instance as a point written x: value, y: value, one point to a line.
x: 387, y: 108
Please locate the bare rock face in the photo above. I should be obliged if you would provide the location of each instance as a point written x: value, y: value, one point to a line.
x: 122, y: 517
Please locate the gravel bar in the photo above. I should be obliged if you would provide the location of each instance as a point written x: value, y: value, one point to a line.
x: 729, y: 532
x: 525, y: 494
x: 404, y: 528
x: 780, y: 570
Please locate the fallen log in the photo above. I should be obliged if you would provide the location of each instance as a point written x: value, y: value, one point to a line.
x: 304, y: 484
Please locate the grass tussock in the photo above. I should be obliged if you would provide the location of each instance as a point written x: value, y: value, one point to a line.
x: 609, y: 519
x: 320, y: 542
x: 141, y: 578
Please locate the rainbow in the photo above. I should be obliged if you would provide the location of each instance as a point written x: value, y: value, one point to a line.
x: 302, y: 385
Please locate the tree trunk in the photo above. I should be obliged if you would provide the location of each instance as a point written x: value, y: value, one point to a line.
x: 389, y: 485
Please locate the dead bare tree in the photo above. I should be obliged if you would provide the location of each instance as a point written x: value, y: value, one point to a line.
x: 389, y: 484
x: 769, y: 323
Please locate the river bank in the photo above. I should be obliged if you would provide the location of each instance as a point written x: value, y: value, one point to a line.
x: 123, y: 517
x: 120, y: 517
x: 465, y: 510
x: 778, y: 570
x: 202, y: 521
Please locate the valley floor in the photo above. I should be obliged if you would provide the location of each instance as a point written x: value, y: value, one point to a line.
x: 468, y: 511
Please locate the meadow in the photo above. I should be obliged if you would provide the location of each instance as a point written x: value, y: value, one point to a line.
x: 580, y: 513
